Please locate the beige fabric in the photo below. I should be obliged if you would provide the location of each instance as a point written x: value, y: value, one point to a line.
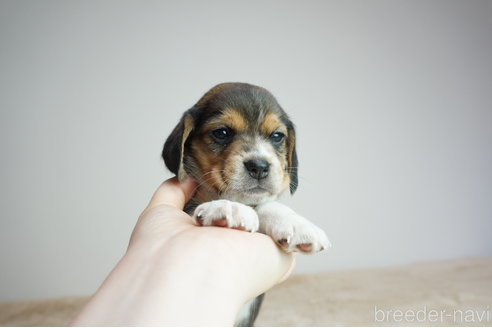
x: 349, y: 298
x: 340, y: 298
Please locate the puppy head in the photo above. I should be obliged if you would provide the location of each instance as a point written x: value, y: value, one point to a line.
x: 237, y: 143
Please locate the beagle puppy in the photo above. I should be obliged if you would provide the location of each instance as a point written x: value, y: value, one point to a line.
x: 239, y: 145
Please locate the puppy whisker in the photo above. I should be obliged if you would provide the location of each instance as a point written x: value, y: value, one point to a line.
x: 210, y: 172
x: 202, y: 180
x: 224, y: 186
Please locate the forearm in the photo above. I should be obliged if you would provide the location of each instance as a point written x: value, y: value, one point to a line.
x: 200, y: 277
x: 171, y: 285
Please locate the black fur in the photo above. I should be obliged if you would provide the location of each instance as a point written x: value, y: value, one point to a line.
x: 254, y: 311
x: 171, y: 153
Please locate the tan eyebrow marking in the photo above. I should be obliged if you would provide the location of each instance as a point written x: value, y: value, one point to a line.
x: 231, y: 118
x: 270, y: 124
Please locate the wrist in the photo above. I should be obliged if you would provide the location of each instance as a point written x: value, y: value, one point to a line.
x: 170, y: 284
x: 191, y: 279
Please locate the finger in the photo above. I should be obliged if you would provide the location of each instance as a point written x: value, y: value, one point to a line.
x: 275, y: 261
x: 291, y: 268
x: 173, y: 193
x: 274, y: 264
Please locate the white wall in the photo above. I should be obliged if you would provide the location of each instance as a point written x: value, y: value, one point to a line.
x: 392, y: 101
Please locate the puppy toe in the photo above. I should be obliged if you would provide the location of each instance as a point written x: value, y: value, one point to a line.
x: 305, y: 247
x: 284, y: 243
x: 220, y: 223
x: 224, y: 213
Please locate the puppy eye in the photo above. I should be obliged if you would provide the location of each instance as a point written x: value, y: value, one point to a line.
x: 277, y: 137
x: 222, y: 135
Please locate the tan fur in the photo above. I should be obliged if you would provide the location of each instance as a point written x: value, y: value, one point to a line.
x: 188, y: 127
x: 291, y: 141
x: 271, y: 124
x: 230, y: 118
x: 216, y: 169
x: 208, y: 163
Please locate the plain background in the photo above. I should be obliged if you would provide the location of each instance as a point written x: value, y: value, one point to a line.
x: 392, y: 102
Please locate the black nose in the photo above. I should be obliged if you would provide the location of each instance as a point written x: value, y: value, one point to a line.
x: 257, y: 168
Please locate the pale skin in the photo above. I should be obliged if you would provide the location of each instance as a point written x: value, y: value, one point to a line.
x: 175, y: 273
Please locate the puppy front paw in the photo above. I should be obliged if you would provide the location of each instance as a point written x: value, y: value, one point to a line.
x: 225, y: 213
x: 294, y: 233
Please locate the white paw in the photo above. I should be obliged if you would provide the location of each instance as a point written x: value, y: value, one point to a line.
x: 224, y: 213
x: 291, y: 231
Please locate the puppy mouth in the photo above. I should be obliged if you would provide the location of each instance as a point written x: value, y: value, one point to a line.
x: 256, y: 190
x: 252, y: 193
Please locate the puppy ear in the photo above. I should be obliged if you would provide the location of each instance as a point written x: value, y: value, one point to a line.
x: 174, y: 146
x: 292, y: 157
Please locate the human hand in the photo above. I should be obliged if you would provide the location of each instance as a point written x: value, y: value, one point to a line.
x: 176, y: 273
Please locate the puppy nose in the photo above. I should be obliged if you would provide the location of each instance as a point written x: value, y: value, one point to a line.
x: 257, y: 168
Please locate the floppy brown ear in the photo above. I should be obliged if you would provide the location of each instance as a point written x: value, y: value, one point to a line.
x: 175, y: 143
x: 292, y: 157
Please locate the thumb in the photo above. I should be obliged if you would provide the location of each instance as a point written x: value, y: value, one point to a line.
x: 173, y: 193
